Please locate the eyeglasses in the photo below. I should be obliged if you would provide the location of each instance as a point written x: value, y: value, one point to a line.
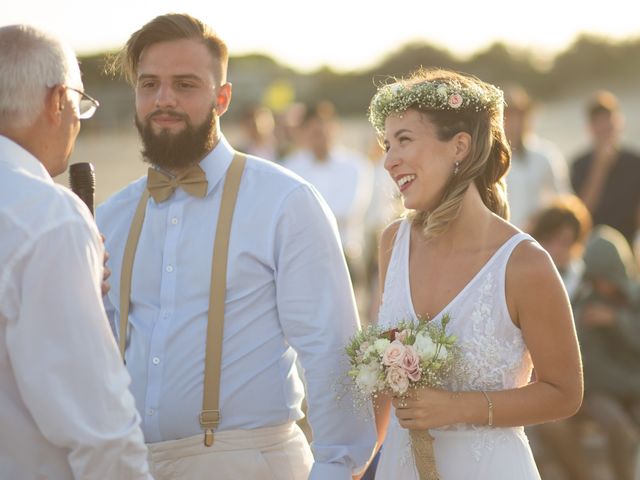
x: 87, y: 105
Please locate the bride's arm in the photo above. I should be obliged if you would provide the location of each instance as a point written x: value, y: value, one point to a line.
x: 539, y: 306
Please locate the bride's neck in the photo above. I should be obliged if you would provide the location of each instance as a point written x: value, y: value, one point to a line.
x: 470, y: 227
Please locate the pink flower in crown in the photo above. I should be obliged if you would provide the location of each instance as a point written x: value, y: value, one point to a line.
x: 455, y: 100
x: 411, y: 363
x: 397, y: 380
x: 394, y: 354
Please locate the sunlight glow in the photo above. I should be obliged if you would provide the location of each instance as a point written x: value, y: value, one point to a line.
x: 346, y: 35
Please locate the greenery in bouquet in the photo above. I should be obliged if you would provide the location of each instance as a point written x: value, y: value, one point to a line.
x: 413, y: 354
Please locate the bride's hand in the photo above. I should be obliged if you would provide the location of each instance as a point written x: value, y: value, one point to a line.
x: 425, y: 408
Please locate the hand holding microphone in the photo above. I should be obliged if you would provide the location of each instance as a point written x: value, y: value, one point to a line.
x: 82, y: 180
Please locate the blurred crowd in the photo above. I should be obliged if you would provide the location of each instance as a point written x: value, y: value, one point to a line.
x: 585, y: 211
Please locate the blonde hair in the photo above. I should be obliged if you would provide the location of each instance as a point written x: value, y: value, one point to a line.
x: 489, y: 157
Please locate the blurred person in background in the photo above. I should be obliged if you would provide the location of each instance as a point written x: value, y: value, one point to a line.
x: 607, y: 176
x: 287, y: 292
x: 258, y: 126
x: 538, y: 170
x: 66, y: 411
x: 562, y: 229
x: 286, y: 129
x: 607, y: 316
x: 342, y: 176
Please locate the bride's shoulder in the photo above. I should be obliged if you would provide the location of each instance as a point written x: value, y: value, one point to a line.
x: 389, y: 234
x: 529, y: 262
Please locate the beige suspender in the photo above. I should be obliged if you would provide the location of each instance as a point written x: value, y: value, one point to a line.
x: 127, y: 268
x: 210, y: 415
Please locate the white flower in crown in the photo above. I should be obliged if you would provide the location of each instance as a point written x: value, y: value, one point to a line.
x: 442, y: 91
x: 455, y: 100
x: 395, y: 88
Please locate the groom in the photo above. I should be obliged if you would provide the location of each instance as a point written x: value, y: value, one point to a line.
x: 287, y: 292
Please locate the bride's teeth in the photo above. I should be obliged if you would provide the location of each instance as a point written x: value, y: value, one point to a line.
x: 405, y: 180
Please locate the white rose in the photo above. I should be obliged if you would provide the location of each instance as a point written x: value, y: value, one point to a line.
x: 424, y: 346
x: 371, y: 350
x: 367, y: 378
x: 381, y: 345
x: 442, y: 91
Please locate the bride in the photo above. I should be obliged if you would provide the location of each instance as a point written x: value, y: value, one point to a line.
x: 456, y: 253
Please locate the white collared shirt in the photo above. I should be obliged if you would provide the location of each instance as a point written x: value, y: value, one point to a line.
x: 538, y: 173
x: 288, y: 291
x: 344, y: 179
x: 65, y: 408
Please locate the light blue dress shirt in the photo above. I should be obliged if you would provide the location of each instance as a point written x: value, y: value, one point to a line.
x: 288, y: 292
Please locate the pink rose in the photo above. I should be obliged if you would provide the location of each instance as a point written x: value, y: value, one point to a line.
x: 411, y: 363
x: 393, y: 354
x: 455, y: 100
x: 397, y: 380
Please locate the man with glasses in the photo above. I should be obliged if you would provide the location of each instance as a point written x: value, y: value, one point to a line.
x: 66, y: 411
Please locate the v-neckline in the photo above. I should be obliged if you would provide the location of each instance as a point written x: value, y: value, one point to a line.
x: 466, y: 286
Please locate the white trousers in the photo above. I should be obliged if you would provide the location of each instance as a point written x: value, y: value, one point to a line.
x: 280, y: 452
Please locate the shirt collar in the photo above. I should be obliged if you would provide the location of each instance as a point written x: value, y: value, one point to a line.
x: 15, y: 156
x: 216, y: 163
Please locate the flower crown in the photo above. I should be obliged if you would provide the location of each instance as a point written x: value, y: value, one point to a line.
x: 399, y: 96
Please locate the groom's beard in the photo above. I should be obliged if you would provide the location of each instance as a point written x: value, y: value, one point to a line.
x: 174, y: 151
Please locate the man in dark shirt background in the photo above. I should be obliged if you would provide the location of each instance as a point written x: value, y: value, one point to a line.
x: 607, y: 177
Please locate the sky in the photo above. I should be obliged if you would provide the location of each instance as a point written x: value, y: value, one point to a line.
x: 342, y: 34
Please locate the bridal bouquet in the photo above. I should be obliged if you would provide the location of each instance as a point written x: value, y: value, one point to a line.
x: 411, y: 355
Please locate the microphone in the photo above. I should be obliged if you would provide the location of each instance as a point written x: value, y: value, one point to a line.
x: 82, y: 179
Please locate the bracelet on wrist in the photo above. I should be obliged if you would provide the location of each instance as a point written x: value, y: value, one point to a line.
x: 490, y: 405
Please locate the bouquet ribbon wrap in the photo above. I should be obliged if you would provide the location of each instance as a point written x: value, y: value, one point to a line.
x: 424, y: 455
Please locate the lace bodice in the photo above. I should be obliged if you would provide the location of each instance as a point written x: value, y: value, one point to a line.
x: 494, y: 353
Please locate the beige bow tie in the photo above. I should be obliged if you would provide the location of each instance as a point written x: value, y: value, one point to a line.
x: 161, y: 185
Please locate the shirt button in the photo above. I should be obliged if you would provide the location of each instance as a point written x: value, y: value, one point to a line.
x: 151, y: 411
x: 155, y: 360
x: 169, y: 268
x: 174, y: 221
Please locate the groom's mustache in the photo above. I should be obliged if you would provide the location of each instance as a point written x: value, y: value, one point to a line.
x: 166, y: 113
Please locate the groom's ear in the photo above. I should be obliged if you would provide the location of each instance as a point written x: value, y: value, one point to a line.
x: 223, y: 99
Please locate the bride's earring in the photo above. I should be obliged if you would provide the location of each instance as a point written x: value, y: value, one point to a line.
x: 456, y: 168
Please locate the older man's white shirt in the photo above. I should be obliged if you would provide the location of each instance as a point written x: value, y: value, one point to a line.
x: 65, y: 408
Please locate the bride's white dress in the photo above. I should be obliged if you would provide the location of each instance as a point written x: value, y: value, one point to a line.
x: 495, y: 358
